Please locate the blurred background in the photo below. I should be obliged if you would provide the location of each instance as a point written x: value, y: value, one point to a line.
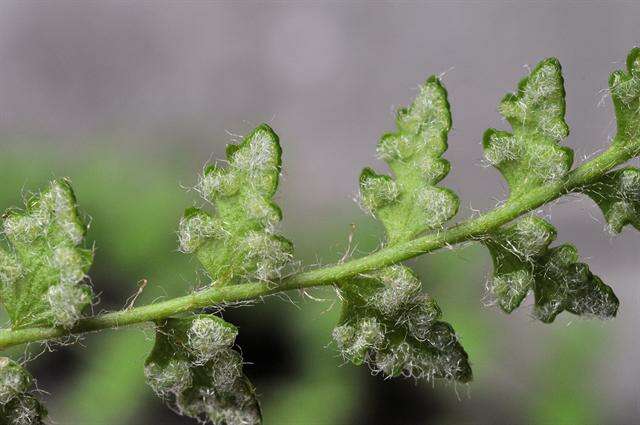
x: 131, y: 99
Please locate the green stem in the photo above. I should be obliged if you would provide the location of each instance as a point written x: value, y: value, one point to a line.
x: 469, y: 230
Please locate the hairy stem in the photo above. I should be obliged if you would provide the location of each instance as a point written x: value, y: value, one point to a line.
x: 469, y: 230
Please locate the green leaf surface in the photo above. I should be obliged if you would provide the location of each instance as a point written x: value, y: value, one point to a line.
x: 195, y: 370
x: 238, y: 243
x: 42, y: 274
x: 17, y: 405
x: 412, y: 203
x: 625, y: 92
x: 387, y: 323
x: 523, y: 261
x: 617, y: 194
x: 531, y: 156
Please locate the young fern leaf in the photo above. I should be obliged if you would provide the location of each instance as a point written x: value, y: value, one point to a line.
x: 17, y: 405
x: 523, y: 261
x: 386, y: 321
x: 617, y: 193
x: 530, y: 156
x: 513, y: 249
x: 625, y: 92
x: 195, y: 370
x: 192, y: 364
x: 237, y: 243
x: 41, y: 275
x: 412, y: 203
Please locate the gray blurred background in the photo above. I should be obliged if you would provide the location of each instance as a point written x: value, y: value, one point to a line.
x: 130, y: 99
